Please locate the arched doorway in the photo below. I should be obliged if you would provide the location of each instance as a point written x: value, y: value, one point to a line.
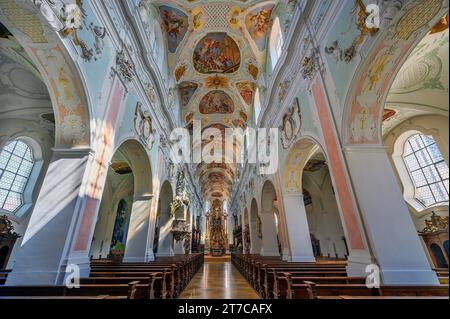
x: 270, y: 242
x: 163, y: 235
x: 255, y: 229
x: 312, y: 211
x: 322, y: 211
x: 127, y: 194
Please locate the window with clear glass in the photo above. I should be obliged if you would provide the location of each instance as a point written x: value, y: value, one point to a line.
x: 257, y: 105
x: 276, y: 42
x: 428, y: 170
x: 16, y: 164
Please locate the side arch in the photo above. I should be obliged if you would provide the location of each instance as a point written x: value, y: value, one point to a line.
x: 363, y: 113
x: 68, y: 94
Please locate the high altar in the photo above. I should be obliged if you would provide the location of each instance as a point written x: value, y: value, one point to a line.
x: 216, y: 225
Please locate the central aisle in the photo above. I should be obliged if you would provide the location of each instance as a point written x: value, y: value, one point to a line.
x: 218, y: 279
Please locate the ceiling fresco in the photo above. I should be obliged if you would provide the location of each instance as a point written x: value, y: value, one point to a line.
x: 175, y: 24
x: 216, y: 102
x: 258, y: 22
x: 217, y: 51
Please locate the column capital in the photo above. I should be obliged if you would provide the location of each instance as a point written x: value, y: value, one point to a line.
x: 143, y: 197
x: 73, y: 152
x: 294, y: 195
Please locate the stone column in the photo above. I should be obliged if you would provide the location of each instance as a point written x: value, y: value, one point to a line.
x: 298, y: 229
x: 390, y: 230
x: 178, y: 247
x: 255, y: 241
x: 269, y: 233
x: 165, y: 245
x: 137, y: 248
x: 204, y: 229
x: 42, y: 257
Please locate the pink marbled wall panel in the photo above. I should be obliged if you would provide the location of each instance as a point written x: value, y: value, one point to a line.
x: 337, y: 168
x: 99, y: 171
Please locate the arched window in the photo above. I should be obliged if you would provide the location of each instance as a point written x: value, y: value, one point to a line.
x: 427, y: 169
x: 16, y: 164
x: 276, y: 42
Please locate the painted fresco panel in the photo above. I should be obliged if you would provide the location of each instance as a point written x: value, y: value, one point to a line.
x: 217, y: 53
x: 216, y: 102
x: 175, y: 23
x: 258, y: 23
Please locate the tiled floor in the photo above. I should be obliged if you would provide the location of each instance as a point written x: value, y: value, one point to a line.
x: 218, y: 280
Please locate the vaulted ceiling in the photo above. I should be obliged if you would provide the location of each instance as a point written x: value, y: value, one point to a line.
x: 217, y: 51
x: 421, y: 86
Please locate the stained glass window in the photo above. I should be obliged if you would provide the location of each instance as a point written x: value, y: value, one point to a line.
x: 428, y: 170
x: 16, y: 164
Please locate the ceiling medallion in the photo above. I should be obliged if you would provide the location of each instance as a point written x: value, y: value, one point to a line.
x: 216, y: 82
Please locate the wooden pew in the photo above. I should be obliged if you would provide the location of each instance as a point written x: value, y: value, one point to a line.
x: 289, y: 287
x: 178, y: 271
x: 132, y: 290
x: 443, y: 275
x: 317, y: 291
x: 155, y: 284
x: 269, y: 282
x: 3, y: 276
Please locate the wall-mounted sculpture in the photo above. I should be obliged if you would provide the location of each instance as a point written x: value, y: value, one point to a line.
x: 291, y: 125
x: 143, y: 126
x: 125, y: 67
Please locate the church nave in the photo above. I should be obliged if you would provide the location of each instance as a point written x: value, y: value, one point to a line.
x: 218, y: 279
x: 212, y: 149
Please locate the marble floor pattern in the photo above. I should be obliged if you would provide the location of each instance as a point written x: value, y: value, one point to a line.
x: 218, y: 280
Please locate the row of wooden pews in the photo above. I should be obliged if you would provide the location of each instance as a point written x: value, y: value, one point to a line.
x: 164, y: 278
x: 273, y: 278
x: 442, y: 274
x: 3, y: 276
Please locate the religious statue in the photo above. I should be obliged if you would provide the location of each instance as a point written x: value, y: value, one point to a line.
x: 179, y: 201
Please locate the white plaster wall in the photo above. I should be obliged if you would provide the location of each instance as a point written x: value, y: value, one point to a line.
x: 323, y: 216
x: 437, y: 126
